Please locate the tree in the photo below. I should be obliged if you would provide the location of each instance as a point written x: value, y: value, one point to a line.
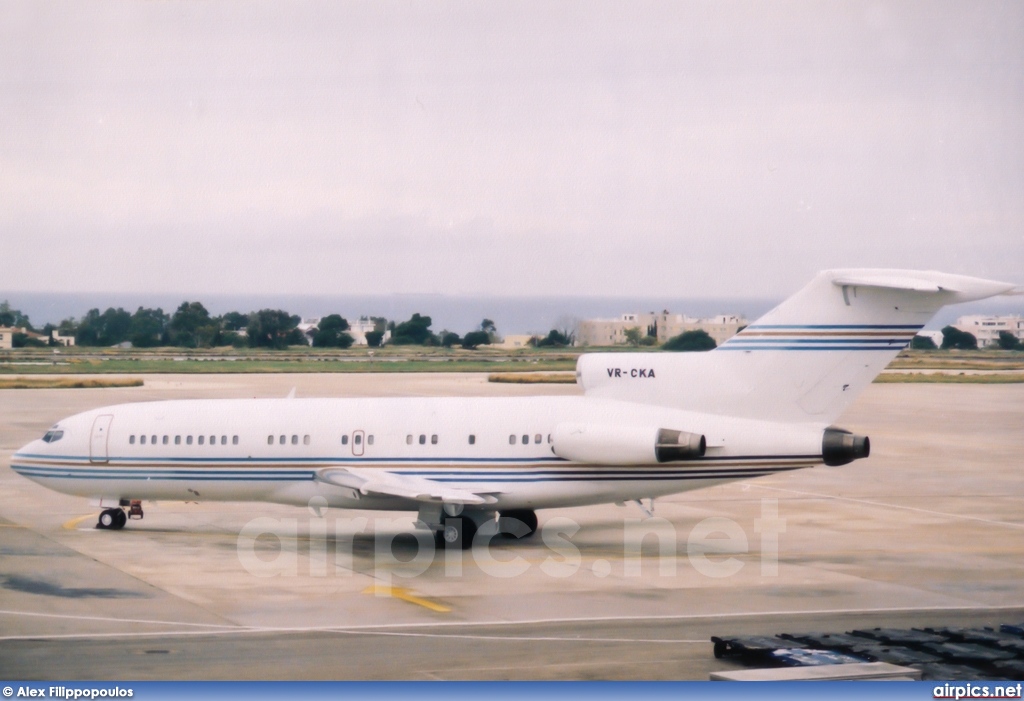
x: 13, y: 317
x: 192, y: 327
x: 449, y: 339
x: 488, y: 327
x: 415, y: 331
x: 23, y: 340
x: 697, y: 340
x: 107, y: 329
x: 568, y: 327
x: 475, y: 338
x: 953, y: 337
x: 274, y: 328
x: 922, y: 343
x: 234, y: 321
x: 1007, y: 341
x: 554, y: 339
x: 373, y: 338
x: 633, y: 336
x: 148, y: 328
x: 330, y: 333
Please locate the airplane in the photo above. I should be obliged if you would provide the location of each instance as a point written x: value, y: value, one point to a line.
x: 647, y: 425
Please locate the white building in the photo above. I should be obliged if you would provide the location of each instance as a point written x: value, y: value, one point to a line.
x: 986, y: 328
x: 663, y: 326
x: 513, y: 341
x: 62, y: 340
x: 358, y: 330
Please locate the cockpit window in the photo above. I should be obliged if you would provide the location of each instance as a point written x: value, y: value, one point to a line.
x: 53, y: 436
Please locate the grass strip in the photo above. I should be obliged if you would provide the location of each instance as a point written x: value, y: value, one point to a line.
x: 67, y: 382
x: 533, y: 378
x: 946, y: 378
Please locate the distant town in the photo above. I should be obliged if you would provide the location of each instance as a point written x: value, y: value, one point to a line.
x: 192, y: 326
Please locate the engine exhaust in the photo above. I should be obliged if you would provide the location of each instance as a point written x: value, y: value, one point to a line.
x: 839, y: 447
x: 679, y: 445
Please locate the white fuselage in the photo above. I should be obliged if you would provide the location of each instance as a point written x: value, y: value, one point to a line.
x: 279, y: 450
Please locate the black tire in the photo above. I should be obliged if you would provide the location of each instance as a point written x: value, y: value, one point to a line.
x: 517, y: 523
x: 457, y: 532
x: 107, y: 519
x: 120, y: 518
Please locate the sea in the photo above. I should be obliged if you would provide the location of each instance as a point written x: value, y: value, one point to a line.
x: 511, y: 315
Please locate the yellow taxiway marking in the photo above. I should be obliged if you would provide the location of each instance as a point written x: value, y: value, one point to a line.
x: 70, y: 525
x: 406, y: 595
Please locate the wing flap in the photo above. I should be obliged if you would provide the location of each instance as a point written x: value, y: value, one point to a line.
x: 366, y: 480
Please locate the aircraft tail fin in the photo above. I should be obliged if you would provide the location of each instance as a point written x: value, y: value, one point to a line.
x: 808, y: 358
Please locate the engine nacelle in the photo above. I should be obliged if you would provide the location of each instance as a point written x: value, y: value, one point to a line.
x: 607, y: 444
x: 839, y: 447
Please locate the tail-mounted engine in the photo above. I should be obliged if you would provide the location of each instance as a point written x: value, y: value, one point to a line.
x: 605, y: 444
x: 839, y: 447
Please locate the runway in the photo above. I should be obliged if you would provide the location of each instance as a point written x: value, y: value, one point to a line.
x: 928, y: 531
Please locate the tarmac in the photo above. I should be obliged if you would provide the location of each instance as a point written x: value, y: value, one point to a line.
x: 928, y: 531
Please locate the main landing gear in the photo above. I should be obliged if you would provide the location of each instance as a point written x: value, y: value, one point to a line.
x: 112, y: 519
x: 457, y: 532
x: 115, y: 519
x: 517, y: 523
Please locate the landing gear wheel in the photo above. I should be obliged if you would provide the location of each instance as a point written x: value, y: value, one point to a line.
x: 517, y: 523
x: 112, y: 519
x: 457, y: 532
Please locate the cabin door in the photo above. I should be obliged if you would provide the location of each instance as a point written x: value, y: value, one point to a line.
x: 357, y: 442
x: 98, y: 440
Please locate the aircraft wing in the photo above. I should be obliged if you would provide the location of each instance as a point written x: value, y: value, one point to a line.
x: 370, y: 480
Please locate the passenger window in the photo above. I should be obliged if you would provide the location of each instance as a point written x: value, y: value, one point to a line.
x: 549, y: 438
x: 224, y: 440
x: 408, y: 439
x: 213, y: 440
x: 536, y: 439
x: 142, y: 440
x: 153, y: 441
x: 344, y: 439
x: 177, y: 440
x: 526, y: 439
x: 358, y: 439
x: 131, y: 440
x: 282, y: 440
x: 201, y: 439
x: 423, y: 439
x: 472, y: 439
x: 188, y: 440
x: 512, y: 440
x: 234, y: 440
x: 369, y: 439
x: 270, y: 440
x: 305, y: 440
x: 166, y: 438
x: 295, y: 439
x: 433, y: 439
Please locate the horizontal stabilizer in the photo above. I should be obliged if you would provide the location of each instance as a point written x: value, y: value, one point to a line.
x: 369, y: 480
x: 960, y: 287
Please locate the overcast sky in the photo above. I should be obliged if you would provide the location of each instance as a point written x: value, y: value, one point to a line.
x: 516, y: 148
